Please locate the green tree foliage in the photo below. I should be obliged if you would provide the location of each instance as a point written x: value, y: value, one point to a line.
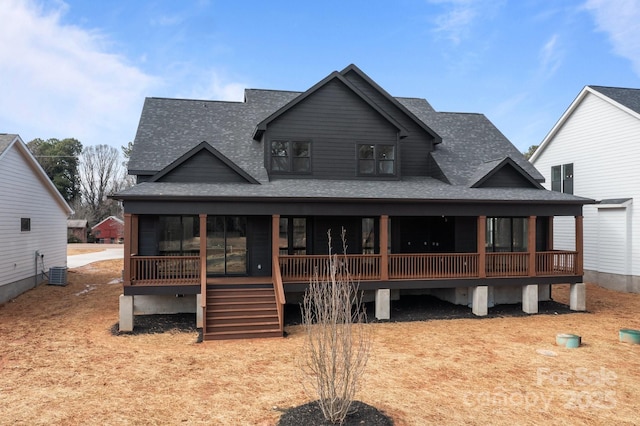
x: 530, y: 151
x: 126, y: 150
x: 59, y: 159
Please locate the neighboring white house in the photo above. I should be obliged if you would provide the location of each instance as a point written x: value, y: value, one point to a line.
x: 594, y: 151
x: 33, y: 220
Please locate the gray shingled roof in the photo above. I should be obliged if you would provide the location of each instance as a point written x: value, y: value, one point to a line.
x: 471, y: 147
x: 5, y: 140
x: 414, y: 188
x: 170, y: 127
x: 469, y: 142
x: 627, y: 97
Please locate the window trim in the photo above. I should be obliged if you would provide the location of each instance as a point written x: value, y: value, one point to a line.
x: 290, y: 157
x: 377, y: 161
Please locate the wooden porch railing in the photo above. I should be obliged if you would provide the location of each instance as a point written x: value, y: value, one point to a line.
x: 278, y: 288
x: 185, y: 270
x: 433, y: 265
x: 556, y: 263
x: 302, y: 268
x: 165, y: 270
x: 507, y: 264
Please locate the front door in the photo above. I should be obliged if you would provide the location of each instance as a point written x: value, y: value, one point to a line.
x: 226, y: 245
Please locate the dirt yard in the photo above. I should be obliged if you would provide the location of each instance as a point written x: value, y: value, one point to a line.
x: 61, y: 364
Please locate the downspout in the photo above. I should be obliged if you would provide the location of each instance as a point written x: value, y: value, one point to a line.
x: 35, y: 276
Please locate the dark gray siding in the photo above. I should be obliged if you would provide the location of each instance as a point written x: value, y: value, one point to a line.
x: 334, y: 119
x: 259, y: 245
x: 466, y: 234
x: 416, y: 147
x: 352, y: 226
x: 203, y: 167
x: 148, y: 236
x: 507, y: 177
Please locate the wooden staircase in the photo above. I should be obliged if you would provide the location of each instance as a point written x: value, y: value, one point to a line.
x: 241, y: 312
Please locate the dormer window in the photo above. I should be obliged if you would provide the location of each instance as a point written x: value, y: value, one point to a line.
x: 290, y: 156
x: 376, y: 160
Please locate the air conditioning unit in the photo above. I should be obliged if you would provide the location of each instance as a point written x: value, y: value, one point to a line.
x: 58, y: 275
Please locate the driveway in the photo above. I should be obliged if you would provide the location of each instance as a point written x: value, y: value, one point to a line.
x: 109, y: 253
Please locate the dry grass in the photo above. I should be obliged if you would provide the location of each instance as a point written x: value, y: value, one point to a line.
x: 59, y: 364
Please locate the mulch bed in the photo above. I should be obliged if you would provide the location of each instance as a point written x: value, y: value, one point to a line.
x: 310, y: 414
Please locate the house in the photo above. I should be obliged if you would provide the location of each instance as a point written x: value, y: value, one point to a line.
x: 593, y: 151
x: 33, y: 217
x: 234, y: 199
x: 108, y: 231
x: 77, y: 230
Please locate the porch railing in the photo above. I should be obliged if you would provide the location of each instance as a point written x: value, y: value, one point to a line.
x: 433, y: 265
x: 165, y: 270
x: 185, y: 270
x: 362, y: 267
x: 507, y: 264
x: 556, y: 263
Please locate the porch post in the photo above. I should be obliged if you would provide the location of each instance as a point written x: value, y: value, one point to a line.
x: 579, y: 245
x: 275, y: 235
x: 384, y: 244
x: 482, y: 255
x: 531, y: 245
x: 130, y: 244
x: 203, y: 261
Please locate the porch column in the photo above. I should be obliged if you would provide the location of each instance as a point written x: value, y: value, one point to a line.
x: 482, y: 255
x: 579, y: 245
x: 126, y: 279
x: 130, y: 244
x: 530, y: 298
x: 531, y: 245
x: 203, y: 261
x: 275, y: 235
x: 384, y: 251
x: 480, y: 300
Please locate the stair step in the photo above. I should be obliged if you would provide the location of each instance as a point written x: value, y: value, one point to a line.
x: 241, y: 335
x: 250, y: 327
x: 238, y: 299
x: 242, y: 319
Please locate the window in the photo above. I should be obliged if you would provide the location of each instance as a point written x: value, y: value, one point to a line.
x: 556, y: 178
x: 562, y: 178
x: 25, y: 224
x: 368, y: 235
x: 507, y: 234
x: 293, y: 235
x: 376, y: 159
x: 290, y: 156
x: 179, y: 235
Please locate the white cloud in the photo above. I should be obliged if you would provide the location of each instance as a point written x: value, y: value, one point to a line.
x: 211, y: 84
x: 550, y: 57
x: 60, y: 81
x: 620, y: 19
x: 457, y: 21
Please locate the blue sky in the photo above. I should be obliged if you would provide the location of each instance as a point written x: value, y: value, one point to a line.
x: 82, y: 69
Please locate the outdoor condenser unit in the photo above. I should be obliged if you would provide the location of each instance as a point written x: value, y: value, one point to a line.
x: 58, y: 275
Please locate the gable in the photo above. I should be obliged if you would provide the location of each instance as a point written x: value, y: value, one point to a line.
x: 203, y: 164
x: 506, y: 174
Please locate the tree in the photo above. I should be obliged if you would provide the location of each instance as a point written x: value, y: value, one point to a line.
x: 102, y: 173
x: 59, y: 159
x: 530, y: 151
x: 338, y: 341
x: 126, y: 150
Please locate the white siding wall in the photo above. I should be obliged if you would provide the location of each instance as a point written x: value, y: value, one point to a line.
x: 603, y: 143
x: 22, y: 195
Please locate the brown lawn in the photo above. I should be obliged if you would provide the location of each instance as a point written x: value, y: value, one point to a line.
x: 60, y: 364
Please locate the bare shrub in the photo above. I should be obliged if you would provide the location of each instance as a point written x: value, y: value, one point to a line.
x: 337, y: 341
